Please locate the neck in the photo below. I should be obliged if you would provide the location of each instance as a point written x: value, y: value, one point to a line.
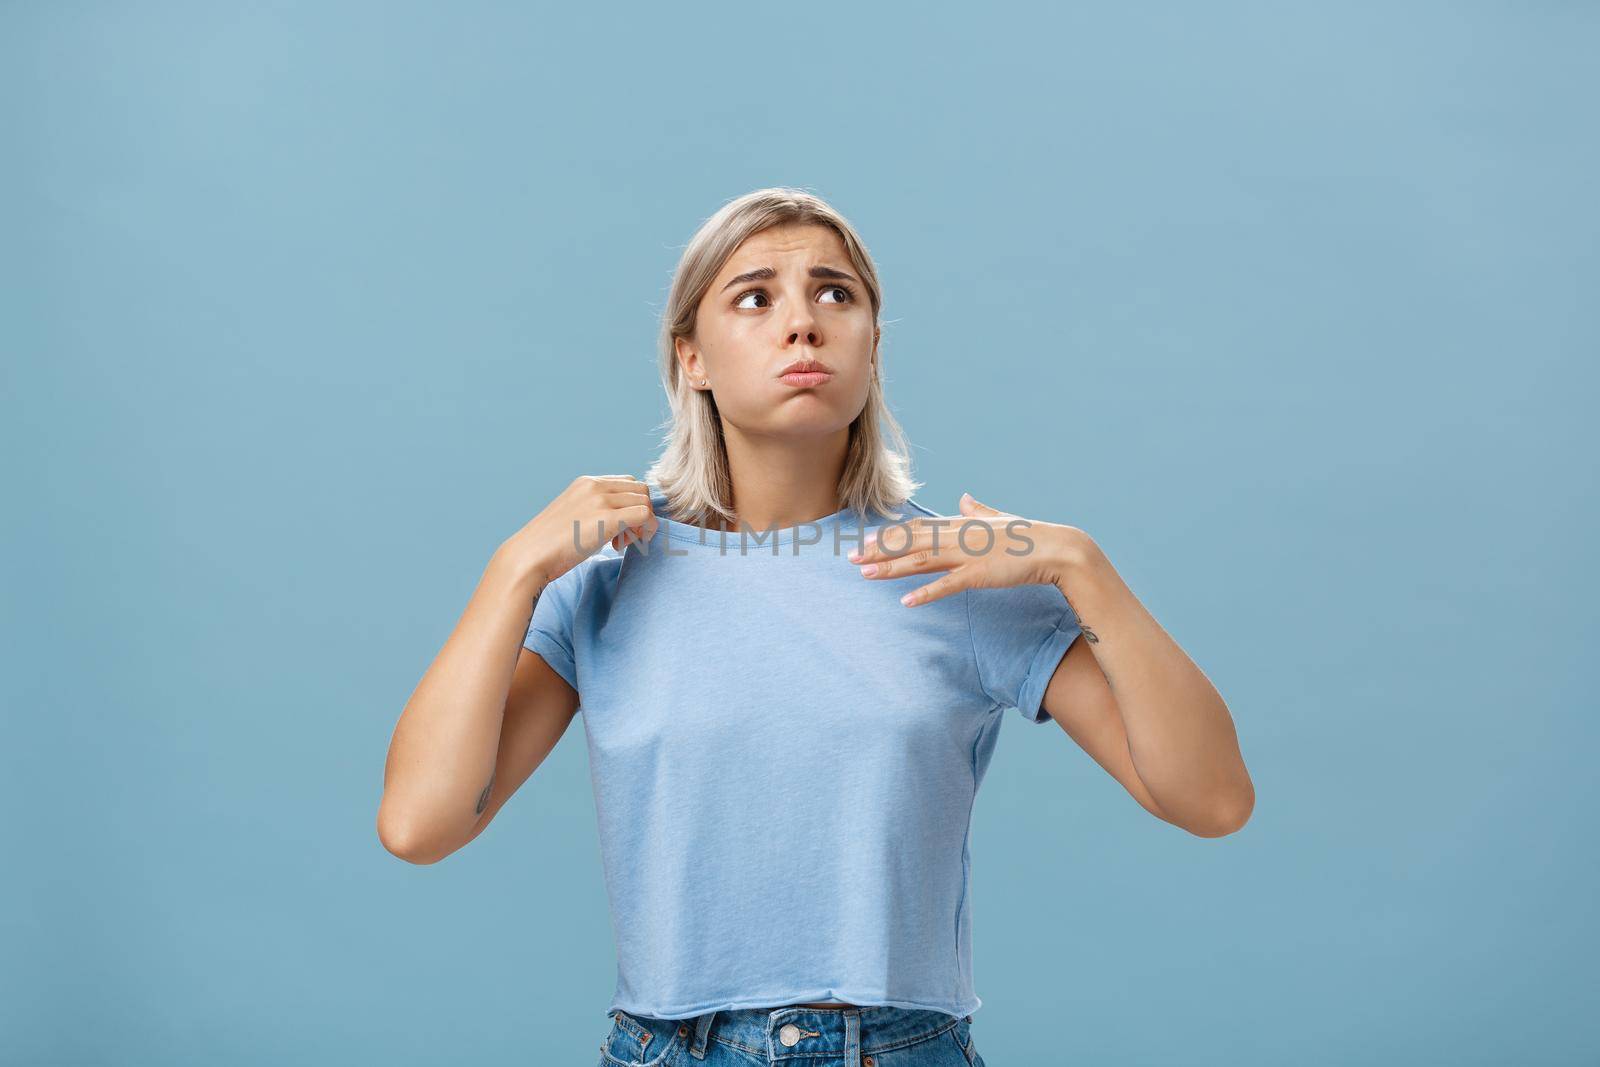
x: 783, y: 482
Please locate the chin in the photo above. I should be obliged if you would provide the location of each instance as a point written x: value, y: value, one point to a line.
x: 806, y: 417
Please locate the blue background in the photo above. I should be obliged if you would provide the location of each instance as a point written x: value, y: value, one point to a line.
x: 306, y: 308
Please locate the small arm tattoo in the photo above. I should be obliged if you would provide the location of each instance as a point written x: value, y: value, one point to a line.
x: 1094, y: 639
x: 1088, y: 634
x: 483, y: 798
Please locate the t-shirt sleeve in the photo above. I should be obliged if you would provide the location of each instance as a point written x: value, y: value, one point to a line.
x: 550, y: 628
x: 1019, y: 634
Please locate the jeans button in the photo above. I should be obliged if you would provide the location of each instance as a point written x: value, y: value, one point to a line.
x: 789, y: 1035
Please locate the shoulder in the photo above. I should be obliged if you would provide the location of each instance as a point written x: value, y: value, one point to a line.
x: 909, y: 509
x: 596, y: 570
x: 603, y: 566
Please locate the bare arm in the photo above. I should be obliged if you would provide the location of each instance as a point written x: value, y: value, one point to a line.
x: 487, y: 711
x: 538, y: 712
x: 1138, y: 705
x: 1079, y: 700
x: 447, y: 769
x: 1124, y: 691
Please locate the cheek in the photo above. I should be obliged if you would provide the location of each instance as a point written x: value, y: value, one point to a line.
x: 861, y: 337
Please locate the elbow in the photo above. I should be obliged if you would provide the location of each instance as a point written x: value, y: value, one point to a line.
x: 1229, y: 816
x: 400, y: 838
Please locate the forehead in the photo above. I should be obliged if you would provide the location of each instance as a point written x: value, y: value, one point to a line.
x: 802, y: 242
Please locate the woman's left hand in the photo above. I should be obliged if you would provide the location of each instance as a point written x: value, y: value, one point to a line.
x: 1012, y: 551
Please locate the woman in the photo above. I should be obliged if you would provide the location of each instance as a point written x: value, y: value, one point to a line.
x: 792, y: 676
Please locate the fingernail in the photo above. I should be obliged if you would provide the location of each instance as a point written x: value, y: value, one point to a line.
x: 869, y: 570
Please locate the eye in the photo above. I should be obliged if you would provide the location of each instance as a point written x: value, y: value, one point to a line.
x: 849, y: 295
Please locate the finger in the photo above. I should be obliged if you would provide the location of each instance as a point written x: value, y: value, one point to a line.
x: 622, y: 497
x: 937, y: 589
x: 921, y: 561
x: 938, y: 533
x: 606, y: 485
x: 902, y: 537
x: 635, y: 522
x: 617, y: 483
x: 970, y: 506
x: 626, y: 536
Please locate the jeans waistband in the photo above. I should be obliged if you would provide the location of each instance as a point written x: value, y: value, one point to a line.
x: 794, y: 1032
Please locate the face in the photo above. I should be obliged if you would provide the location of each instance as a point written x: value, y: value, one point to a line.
x: 787, y: 294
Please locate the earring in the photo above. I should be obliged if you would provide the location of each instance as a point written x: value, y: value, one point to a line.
x: 702, y: 381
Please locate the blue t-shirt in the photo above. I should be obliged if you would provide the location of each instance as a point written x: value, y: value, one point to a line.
x: 785, y: 757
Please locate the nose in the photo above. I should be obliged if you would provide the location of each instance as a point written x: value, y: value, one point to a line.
x: 803, y: 331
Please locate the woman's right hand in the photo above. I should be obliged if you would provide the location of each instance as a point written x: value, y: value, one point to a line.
x: 594, y: 505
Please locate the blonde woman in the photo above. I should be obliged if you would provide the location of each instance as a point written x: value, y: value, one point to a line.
x: 793, y: 676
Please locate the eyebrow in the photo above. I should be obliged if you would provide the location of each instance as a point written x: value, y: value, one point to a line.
x: 764, y: 273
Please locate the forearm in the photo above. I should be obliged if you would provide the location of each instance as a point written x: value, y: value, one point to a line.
x: 1180, y: 733
x: 442, y: 756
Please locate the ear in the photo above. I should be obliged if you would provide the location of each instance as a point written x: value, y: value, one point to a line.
x: 970, y: 506
x: 688, y: 361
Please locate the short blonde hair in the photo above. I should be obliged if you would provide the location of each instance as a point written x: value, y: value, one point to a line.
x: 692, y: 470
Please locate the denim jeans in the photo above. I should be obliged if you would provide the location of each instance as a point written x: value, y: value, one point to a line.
x: 872, y: 1036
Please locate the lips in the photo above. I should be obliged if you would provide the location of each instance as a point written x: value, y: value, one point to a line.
x: 806, y: 366
x: 805, y: 379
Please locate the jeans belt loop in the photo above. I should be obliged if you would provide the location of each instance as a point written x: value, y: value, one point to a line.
x: 702, y: 1035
